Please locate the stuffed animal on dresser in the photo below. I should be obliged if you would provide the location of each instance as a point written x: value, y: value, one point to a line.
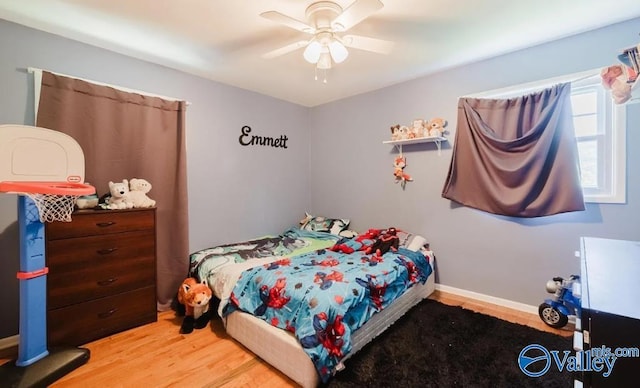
x: 119, y: 195
x: 138, y: 189
x: 195, y: 297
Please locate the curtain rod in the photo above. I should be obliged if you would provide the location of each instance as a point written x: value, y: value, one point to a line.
x: 35, y: 69
x: 536, y: 85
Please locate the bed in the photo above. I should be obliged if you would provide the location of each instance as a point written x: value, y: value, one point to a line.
x: 260, y: 282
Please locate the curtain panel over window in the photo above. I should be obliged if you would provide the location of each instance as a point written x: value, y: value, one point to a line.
x: 128, y: 135
x: 516, y: 157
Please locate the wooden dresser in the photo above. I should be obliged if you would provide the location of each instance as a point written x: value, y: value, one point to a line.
x: 102, y: 274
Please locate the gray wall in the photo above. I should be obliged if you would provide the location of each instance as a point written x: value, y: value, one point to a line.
x: 336, y: 164
x: 498, y: 256
x: 235, y: 192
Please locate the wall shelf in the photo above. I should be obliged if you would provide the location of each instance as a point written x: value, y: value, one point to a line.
x: 429, y: 139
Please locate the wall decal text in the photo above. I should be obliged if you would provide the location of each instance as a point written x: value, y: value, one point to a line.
x: 247, y: 140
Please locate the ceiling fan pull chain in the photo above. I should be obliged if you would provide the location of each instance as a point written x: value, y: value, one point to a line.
x: 325, y: 76
x: 316, y: 73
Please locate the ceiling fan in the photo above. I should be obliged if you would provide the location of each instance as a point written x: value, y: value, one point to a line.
x: 326, y: 21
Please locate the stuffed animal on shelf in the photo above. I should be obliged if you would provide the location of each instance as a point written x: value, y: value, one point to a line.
x: 388, y: 240
x: 436, y: 126
x: 395, y: 132
x: 399, y: 164
x: 399, y: 132
x: 418, y: 128
x: 119, y: 196
x: 138, y: 189
x: 195, y: 297
x: 615, y: 79
x: 360, y: 243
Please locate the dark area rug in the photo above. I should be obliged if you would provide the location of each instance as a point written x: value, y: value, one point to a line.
x: 436, y: 345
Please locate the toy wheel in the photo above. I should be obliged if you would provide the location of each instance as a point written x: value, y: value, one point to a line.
x: 552, y: 316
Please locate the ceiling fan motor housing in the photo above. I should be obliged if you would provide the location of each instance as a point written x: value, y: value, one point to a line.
x: 322, y: 13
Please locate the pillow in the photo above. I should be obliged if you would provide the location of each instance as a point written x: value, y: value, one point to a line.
x: 417, y: 243
x: 410, y: 241
x: 324, y: 224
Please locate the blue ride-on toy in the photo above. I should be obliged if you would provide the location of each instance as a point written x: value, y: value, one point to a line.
x: 555, y: 312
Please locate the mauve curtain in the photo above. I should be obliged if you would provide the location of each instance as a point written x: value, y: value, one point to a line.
x: 516, y: 157
x: 123, y: 136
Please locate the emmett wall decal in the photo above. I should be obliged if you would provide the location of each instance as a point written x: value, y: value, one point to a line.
x: 246, y: 140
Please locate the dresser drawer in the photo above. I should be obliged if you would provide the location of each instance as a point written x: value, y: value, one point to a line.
x: 86, y: 268
x: 84, y: 322
x: 92, y: 222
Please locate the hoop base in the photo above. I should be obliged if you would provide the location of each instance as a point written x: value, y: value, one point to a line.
x: 44, y: 372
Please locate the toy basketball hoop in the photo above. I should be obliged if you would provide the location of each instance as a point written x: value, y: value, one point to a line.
x: 46, y: 169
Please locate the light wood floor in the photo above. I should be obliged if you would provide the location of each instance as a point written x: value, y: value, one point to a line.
x: 156, y: 355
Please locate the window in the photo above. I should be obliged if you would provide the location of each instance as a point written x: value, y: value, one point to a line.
x: 600, y: 128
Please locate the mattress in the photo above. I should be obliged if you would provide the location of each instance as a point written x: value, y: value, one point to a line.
x: 281, y: 349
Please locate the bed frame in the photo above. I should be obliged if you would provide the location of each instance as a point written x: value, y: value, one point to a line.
x: 282, y: 350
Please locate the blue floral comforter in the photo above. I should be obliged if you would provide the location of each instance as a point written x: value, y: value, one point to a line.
x: 323, y: 296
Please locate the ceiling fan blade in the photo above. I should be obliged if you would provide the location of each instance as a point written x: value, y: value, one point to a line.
x: 368, y: 44
x: 288, y: 21
x: 355, y: 13
x: 285, y: 50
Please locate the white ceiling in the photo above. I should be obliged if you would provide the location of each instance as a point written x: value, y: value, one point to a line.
x: 223, y: 40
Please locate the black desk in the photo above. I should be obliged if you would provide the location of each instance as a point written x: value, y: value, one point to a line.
x: 611, y: 307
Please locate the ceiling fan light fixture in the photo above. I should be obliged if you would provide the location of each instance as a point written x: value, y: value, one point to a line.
x: 338, y: 51
x: 312, y: 52
x: 324, y: 63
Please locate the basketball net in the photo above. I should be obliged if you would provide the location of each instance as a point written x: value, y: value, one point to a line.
x: 53, y: 207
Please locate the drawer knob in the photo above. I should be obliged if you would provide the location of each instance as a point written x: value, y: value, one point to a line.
x: 107, y: 314
x: 106, y: 251
x: 105, y: 224
x: 107, y: 282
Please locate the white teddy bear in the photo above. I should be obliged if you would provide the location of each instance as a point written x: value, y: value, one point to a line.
x: 119, y: 195
x: 138, y: 189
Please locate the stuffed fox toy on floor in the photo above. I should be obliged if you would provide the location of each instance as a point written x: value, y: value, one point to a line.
x: 195, y: 297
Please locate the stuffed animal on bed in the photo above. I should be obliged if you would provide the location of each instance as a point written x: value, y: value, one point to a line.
x: 360, y: 243
x: 388, y: 240
x: 195, y: 297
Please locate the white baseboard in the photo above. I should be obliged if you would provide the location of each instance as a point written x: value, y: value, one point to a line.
x: 488, y: 299
x: 9, y: 342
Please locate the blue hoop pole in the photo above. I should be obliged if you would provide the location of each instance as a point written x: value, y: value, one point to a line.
x: 33, y: 284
